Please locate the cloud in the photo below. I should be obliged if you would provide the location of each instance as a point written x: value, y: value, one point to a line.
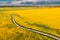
x: 38, y: 0
x: 30, y: 0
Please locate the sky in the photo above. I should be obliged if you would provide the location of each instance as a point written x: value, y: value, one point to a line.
x: 28, y: 0
x: 18, y: 2
x: 4, y: 0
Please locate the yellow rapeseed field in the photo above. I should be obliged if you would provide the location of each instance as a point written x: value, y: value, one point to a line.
x: 41, y: 19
